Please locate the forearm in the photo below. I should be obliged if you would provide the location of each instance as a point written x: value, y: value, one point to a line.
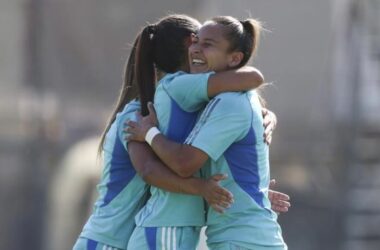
x: 155, y: 173
x: 243, y: 79
x: 171, y: 153
x: 158, y: 175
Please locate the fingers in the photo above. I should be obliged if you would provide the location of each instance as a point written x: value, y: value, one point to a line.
x: 269, y: 123
x: 268, y: 128
x: 138, y: 115
x: 151, y: 118
x: 129, y: 129
x: 272, y: 183
x: 272, y: 117
x: 219, y: 177
x: 217, y: 208
x: 268, y: 140
x: 130, y: 137
x: 281, y: 203
x: 151, y: 109
x: 225, y: 195
x: 275, y: 195
x: 132, y: 124
x: 279, y: 209
x: 264, y: 112
x: 224, y: 204
x: 268, y: 131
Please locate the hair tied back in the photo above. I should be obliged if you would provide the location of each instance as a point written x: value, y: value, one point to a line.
x: 152, y: 29
x: 247, y: 27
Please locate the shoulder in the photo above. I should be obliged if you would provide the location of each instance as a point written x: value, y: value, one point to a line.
x: 128, y: 112
x: 184, y: 77
x: 132, y: 106
x: 237, y: 102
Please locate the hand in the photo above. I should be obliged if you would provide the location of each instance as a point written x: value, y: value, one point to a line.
x: 136, y: 131
x: 216, y: 196
x: 270, y: 122
x: 279, y: 201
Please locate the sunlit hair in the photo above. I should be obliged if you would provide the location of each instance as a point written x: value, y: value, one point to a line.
x: 243, y: 36
x: 160, y: 46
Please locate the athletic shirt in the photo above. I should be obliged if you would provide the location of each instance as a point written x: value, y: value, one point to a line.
x: 177, y: 101
x: 122, y: 193
x: 230, y: 130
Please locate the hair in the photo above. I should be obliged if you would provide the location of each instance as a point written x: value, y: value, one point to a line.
x: 243, y: 36
x: 160, y: 46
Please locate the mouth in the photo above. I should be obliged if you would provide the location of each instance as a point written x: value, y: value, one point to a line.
x: 198, y: 62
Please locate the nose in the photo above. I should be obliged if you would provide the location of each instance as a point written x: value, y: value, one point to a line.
x: 194, y: 47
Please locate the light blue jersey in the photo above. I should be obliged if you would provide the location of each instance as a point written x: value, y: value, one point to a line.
x: 122, y: 193
x: 230, y: 130
x: 177, y: 101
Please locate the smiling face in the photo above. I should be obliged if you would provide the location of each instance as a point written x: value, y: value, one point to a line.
x: 210, y: 50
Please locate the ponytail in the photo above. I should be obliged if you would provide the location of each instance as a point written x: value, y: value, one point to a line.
x: 128, y: 92
x: 243, y: 36
x: 165, y: 51
x: 139, y: 78
x: 252, y: 29
x: 144, y: 70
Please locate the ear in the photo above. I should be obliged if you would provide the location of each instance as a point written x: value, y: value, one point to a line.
x: 235, y: 59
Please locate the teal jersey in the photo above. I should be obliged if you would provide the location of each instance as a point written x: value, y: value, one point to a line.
x: 122, y: 193
x: 177, y: 101
x: 230, y: 130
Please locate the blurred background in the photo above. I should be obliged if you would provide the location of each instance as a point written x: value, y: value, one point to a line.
x: 61, y: 64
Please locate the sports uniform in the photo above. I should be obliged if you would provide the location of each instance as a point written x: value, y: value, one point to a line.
x: 122, y: 193
x: 230, y: 131
x: 178, y: 99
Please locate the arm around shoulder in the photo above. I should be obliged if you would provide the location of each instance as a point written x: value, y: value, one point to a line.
x: 183, y: 159
x: 243, y: 79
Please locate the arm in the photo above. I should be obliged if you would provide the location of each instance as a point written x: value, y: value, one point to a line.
x: 183, y: 159
x: 192, y: 91
x: 153, y: 172
x: 212, y: 139
x: 243, y: 79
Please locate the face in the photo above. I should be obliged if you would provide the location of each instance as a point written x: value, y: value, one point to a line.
x: 209, y: 50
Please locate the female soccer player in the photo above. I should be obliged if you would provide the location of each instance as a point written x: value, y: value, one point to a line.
x: 226, y: 136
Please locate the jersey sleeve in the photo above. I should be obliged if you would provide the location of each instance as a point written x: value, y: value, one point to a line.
x: 189, y: 90
x: 223, y: 122
x: 128, y: 115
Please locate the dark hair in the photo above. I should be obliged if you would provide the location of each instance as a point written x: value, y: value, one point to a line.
x: 242, y: 35
x: 158, y: 46
x: 161, y: 45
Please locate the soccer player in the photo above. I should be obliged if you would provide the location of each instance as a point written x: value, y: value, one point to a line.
x: 227, y: 136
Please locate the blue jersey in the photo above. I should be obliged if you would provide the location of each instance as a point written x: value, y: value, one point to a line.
x: 230, y: 130
x: 177, y: 101
x: 122, y: 193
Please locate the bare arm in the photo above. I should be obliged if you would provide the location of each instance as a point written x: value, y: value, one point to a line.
x: 155, y: 173
x: 243, y: 79
x: 183, y: 159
